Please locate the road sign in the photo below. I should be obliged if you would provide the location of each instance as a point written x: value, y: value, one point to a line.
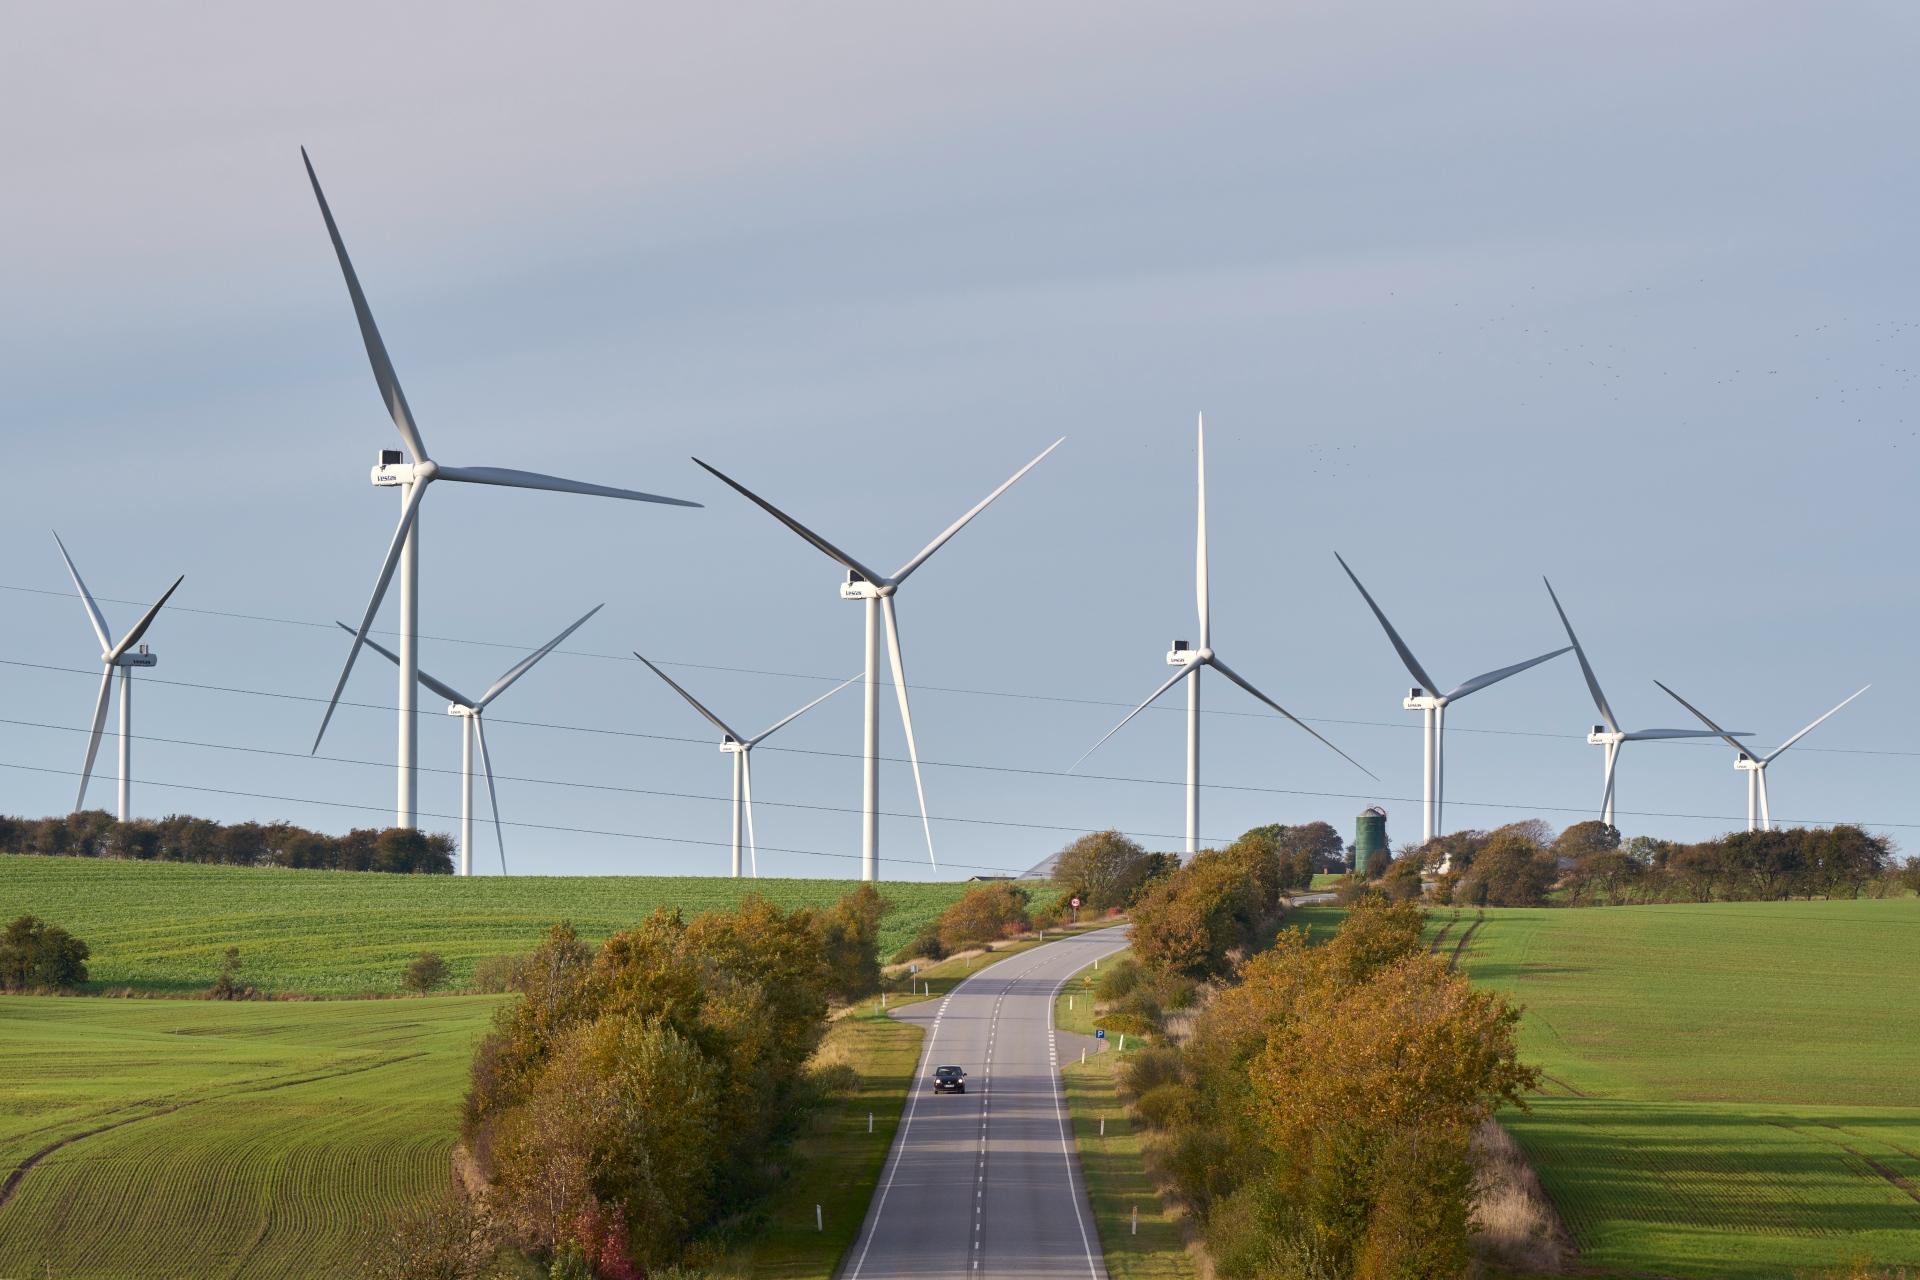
x: 1099, y: 1033
x: 1075, y: 902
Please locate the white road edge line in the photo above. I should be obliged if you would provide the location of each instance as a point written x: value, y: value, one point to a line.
x: 1066, y: 1149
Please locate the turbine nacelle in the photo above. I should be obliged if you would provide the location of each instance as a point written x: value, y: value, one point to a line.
x: 143, y: 658
x: 858, y: 588
x: 1181, y: 654
x: 1419, y: 699
x: 392, y: 470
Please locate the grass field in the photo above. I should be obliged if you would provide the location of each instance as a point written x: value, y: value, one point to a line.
x: 197, y: 1139
x: 161, y: 927
x: 1733, y: 1089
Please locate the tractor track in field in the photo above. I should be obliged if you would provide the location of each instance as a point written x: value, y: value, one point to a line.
x: 20, y: 1171
x: 1904, y: 1185
x: 12, y: 1184
x: 1459, y: 946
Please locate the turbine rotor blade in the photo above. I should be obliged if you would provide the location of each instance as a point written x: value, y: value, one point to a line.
x: 146, y: 620
x: 86, y: 598
x: 746, y: 786
x: 1407, y: 659
x: 512, y: 479
x: 1495, y: 677
x: 446, y: 691
x: 525, y: 664
x: 901, y: 574
x: 1200, y: 575
x: 383, y: 373
x: 692, y: 701
x: 1810, y: 728
x: 1172, y: 680
x: 906, y: 718
x: 768, y: 733
x: 93, y: 739
x: 1234, y: 676
x: 1586, y: 668
x: 392, y: 562
x: 1701, y: 716
x: 493, y: 800
x: 819, y: 543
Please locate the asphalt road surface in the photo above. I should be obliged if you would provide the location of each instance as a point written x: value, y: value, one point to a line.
x: 987, y: 1183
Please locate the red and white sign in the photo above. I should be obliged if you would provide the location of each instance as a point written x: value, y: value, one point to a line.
x: 1075, y: 903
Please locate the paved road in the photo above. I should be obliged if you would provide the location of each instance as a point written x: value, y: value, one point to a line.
x: 987, y: 1183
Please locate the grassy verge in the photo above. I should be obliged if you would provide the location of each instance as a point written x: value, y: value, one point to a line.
x: 835, y: 1162
x: 1114, y: 1166
x: 1073, y: 1008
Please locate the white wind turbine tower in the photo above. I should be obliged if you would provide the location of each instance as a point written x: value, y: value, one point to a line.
x: 470, y: 710
x: 122, y: 657
x: 412, y: 478
x: 1192, y: 660
x: 877, y: 591
x: 1755, y: 767
x: 740, y: 747
x: 1610, y: 735
x: 1427, y: 699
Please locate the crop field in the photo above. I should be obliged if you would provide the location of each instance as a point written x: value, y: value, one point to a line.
x: 161, y: 927
x: 1732, y: 1088
x: 173, y: 1138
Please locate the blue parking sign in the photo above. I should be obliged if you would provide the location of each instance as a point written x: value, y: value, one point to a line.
x: 1100, y: 1033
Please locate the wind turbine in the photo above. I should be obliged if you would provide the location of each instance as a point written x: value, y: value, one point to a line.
x: 1610, y: 735
x: 412, y: 478
x: 1427, y: 699
x: 740, y: 747
x: 470, y: 710
x: 124, y: 658
x: 1192, y: 660
x: 1755, y: 767
x: 877, y: 590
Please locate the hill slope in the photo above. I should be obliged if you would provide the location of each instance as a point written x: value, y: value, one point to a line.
x: 161, y: 927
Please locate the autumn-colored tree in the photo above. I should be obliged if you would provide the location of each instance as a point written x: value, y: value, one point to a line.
x: 984, y: 913
x: 37, y: 955
x: 849, y: 934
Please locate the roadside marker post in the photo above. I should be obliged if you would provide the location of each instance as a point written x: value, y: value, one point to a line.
x: 1103, y: 1126
x: 869, y: 1122
x: 820, y: 1223
x: 1136, y: 1221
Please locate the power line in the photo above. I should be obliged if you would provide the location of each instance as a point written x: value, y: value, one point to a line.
x: 923, y: 688
x: 1370, y: 797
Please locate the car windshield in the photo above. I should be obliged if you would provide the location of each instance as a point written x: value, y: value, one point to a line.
x: 949, y: 1072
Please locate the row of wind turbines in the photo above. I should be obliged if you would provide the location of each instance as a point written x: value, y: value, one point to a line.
x: 413, y: 470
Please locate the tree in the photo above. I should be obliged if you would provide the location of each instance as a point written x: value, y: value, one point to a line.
x: 1584, y: 839
x: 1104, y: 867
x: 1512, y: 870
x: 35, y: 955
x: 425, y: 972
x: 984, y: 913
x: 850, y: 942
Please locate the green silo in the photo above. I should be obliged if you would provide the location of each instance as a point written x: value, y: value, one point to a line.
x: 1369, y: 841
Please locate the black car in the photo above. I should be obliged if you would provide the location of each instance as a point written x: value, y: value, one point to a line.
x: 949, y: 1080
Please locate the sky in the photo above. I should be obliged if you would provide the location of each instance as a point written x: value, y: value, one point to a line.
x: 1471, y: 294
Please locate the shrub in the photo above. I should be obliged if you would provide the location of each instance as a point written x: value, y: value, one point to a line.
x: 227, y: 984
x: 1118, y: 979
x: 38, y: 955
x: 496, y: 974
x: 1162, y: 1105
x: 925, y: 945
x: 425, y: 972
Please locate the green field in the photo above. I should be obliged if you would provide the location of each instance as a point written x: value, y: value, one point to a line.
x: 1733, y: 1089
x: 194, y: 1139
x: 161, y: 927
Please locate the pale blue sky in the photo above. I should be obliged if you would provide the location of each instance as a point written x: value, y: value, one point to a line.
x: 1470, y: 293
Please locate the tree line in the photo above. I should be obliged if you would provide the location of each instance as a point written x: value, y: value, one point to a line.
x: 94, y: 833
x: 1313, y: 1107
x: 627, y: 1109
x: 1524, y: 864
